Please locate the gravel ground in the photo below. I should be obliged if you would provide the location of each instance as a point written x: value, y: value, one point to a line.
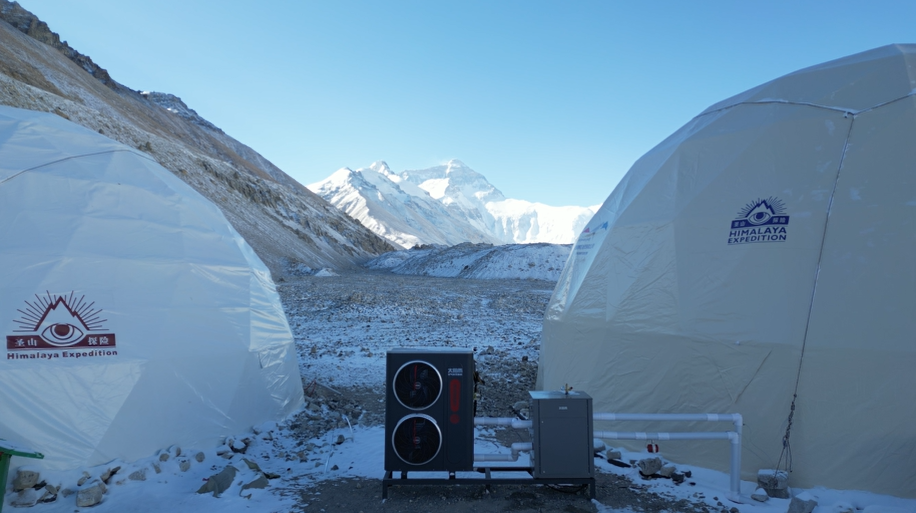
x: 345, y: 324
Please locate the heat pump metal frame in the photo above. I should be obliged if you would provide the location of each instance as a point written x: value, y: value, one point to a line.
x: 389, y: 480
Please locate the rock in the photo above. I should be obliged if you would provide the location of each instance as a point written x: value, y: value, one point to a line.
x: 25, y: 498
x: 614, y: 455
x: 175, y: 451
x: 91, y: 495
x: 164, y: 457
x: 598, y: 445
x: 237, y: 446
x: 252, y: 465
x: 760, y: 495
x: 314, y: 407
x: 340, y: 439
x: 83, y: 479
x: 843, y: 507
x: 677, y: 477
x: 66, y: 492
x: 302, y: 455
x: 138, y: 475
x: 667, y: 470
x: 184, y: 464
x: 335, y: 467
x: 108, y: 473
x: 199, y: 457
x: 260, y: 483
x: 802, y: 503
x: 218, y: 483
x: 49, y: 494
x: 157, y: 468
x: 649, y: 466
x: 520, y: 405
x: 25, y: 478
x: 775, y: 482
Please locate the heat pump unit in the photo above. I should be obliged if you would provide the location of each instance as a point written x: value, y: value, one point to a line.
x: 429, y: 410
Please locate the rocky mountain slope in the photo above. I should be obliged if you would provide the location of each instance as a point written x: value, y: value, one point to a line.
x: 285, y: 223
x: 539, y: 261
x: 448, y: 204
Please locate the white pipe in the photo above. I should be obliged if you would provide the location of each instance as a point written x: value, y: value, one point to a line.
x: 686, y: 417
x: 516, y: 448
x: 733, y: 436
x: 503, y: 421
x: 735, y: 476
x: 617, y: 435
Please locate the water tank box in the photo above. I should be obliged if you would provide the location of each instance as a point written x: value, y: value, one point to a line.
x: 562, y: 434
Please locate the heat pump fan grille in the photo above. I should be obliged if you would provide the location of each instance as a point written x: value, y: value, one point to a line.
x: 417, y: 385
x: 416, y: 439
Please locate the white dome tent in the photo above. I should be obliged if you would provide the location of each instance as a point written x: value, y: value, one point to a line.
x: 767, y: 248
x: 135, y: 317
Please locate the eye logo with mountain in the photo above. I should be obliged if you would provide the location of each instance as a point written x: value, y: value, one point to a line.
x: 60, y: 322
x: 763, y: 220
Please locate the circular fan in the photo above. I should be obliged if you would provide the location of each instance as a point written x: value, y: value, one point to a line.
x: 417, y: 385
x: 416, y: 439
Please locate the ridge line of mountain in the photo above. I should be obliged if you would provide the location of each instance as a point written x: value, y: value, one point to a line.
x: 446, y: 205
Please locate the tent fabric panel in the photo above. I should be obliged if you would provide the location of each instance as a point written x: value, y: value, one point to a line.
x: 29, y: 139
x: 867, y: 289
x: 64, y: 408
x: 189, y: 396
x: 853, y: 426
x: 861, y: 348
x: 855, y: 83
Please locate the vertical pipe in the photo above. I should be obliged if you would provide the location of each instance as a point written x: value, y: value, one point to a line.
x: 735, y: 474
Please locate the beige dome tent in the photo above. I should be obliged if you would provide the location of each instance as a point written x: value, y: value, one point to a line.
x: 767, y: 248
x: 135, y: 317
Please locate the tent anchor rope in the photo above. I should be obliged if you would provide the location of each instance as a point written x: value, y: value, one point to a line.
x: 786, y: 453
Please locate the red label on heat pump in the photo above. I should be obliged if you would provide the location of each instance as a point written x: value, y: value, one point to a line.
x: 454, y: 394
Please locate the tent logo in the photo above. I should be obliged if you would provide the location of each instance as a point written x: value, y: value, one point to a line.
x: 586, y: 242
x: 763, y: 220
x: 59, y: 322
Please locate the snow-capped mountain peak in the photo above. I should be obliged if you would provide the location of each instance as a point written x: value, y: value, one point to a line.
x: 453, y: 182
x: 381, y: 167
x: 447, y: 204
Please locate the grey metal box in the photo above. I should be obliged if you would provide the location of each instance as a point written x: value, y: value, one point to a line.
x: 562, y: 435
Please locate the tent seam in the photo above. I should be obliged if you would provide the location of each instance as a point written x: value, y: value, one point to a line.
x: 72, y: 157
x: 853, y: 112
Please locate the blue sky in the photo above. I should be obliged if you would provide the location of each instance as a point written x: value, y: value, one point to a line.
x: 551, y: 101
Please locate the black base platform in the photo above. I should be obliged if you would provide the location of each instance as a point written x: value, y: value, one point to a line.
x: 452, y: 479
